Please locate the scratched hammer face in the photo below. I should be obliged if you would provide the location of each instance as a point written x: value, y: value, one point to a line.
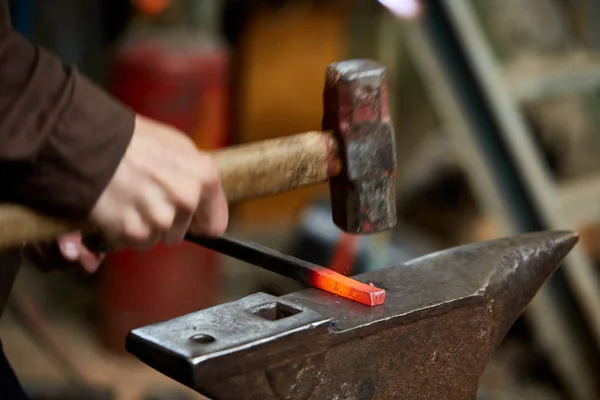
x: 363, y: 196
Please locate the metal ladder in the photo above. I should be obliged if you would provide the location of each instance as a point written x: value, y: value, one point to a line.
x: 507, y: 171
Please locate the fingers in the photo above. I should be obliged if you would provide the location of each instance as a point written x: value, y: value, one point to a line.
x: 74, y: 252
x: 70, y: 247
x: 89, y: 261
x: 180, y: 227
x: 160, y: 218
x: 212, y: 216
x: 66, y: 252
x: 201, y: 209
x: 163, y: 187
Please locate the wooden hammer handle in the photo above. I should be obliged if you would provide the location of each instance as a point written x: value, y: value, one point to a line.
x: 277, y: 165
x: 247, y: 171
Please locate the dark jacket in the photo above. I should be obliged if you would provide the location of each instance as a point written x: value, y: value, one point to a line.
x: 61, y: 137
x: 61, y: 140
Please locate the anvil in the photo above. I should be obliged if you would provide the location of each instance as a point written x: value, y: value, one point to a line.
x: 444, y: 316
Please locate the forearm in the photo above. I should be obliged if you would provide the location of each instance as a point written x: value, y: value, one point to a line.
x: 61, y: 137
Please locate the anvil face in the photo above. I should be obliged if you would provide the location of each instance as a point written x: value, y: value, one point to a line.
x: 444, y: 316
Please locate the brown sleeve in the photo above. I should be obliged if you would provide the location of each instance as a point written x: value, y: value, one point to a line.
x: 61, y: 137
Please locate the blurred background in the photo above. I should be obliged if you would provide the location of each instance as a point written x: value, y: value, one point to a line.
x: 496, y: 109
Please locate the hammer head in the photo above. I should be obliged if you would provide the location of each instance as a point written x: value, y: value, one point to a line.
x: 363, y: 195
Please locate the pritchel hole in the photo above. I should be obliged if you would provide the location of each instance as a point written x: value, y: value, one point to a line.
x: 202, y: 338
x: 274, y: 311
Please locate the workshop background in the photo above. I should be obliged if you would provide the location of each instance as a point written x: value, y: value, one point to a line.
x: 496, y: 110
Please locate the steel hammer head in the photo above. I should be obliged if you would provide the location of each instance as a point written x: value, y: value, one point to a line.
x: 363, y: 195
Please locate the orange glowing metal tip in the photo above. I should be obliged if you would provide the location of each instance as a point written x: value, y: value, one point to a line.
x: 299, y: 270
x: 332, y: 282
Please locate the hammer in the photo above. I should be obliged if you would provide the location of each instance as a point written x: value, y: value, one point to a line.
x: 355, y: 152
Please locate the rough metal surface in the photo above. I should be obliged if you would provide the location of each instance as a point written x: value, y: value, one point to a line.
x: 444, y: 316
x: 363, y: 195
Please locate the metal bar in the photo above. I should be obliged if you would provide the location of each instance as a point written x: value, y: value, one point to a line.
x: 291, y: 267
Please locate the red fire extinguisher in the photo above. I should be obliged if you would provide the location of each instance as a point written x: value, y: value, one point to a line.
x: 179, y: 76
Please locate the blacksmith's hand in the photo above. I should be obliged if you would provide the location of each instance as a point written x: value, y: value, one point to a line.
x: 164, y: 187
x: 66, y: 252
